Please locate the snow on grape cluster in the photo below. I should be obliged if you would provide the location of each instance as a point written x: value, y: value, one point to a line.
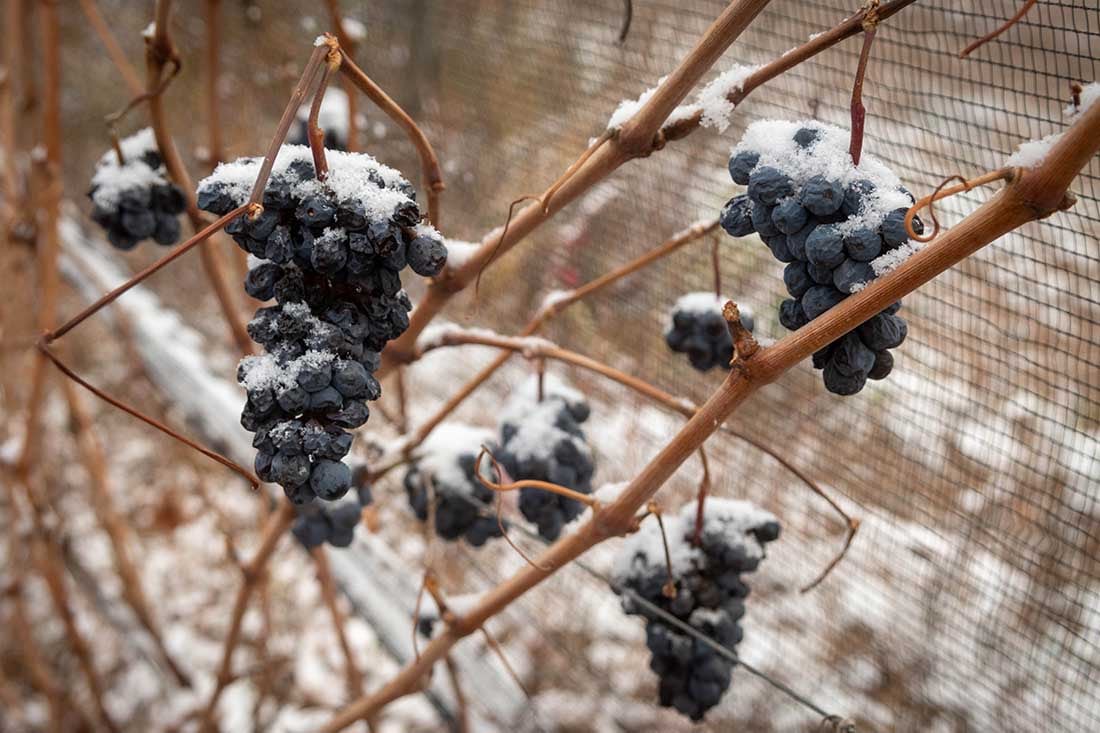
x: 134, y: 200
x: 709, y: 594
x: 330, y: 254
x: 697, y: 328
x: 836, y: 226
x: 542, y: 440
x: 444, y: 472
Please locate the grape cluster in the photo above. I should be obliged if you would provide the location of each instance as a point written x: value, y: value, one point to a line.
x: 706, y: 591
x: 330, y: 254
x: 333, y: 522
x: 543, y: 441
x: 837, y: 227
x: 133, y: 199
x: 445, y: 471
x: 698, y: 328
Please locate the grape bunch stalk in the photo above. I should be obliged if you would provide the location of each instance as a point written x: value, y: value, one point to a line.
x: 132, y: 197
x: 705, y: 590
x: 697, y: 327
x: 835, y: 225
x: 330, y: 253
x: 543, y: 441
x: 444, y: 472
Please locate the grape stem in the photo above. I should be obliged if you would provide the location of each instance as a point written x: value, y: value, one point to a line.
x: 1019, y: 16
x: 858, y: 110
x: 431, y: 173
x: 313, y: 128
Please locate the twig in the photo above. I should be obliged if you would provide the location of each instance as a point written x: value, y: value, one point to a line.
x: 313, y: 128
x: 744, y: 343
x: 159, y: 52
x: 49, y: 183
x: 65, y: 369
x: 328, y: 594
x: 704, y: 489
x: 586, y: 499
x: 113, y: 119
x: 113, y: 295
x: 117, y: 531
x: 50, y: 564
x: 431, y: 174
x: 668, y: 590
x: 462, y: 714
x: 628, y: 16
x: 277, y: 524
x: 114, y: 51
x: 1038, y: 193
x: 1003, y: 174
x: 212, y: 15
x: 348, y: 46
x: 716, y: 266
x: 495, y: 646
x: 975, y: 45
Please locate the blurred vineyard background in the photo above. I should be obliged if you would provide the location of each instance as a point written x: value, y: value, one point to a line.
x: 971, y: 598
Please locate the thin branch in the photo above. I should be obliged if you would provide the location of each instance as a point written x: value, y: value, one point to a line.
x: 1038, y: 193
x: 212, y: 16
x: 495, y: 646
x: 65, y: 369
x: 348, y: 47
x: 276, y: 526
x: 1003, y: 174
x: 701, y: 497
x: 328, y: 594
x: 975, y: 45
x: 117, y: 531
x: 668, y: 590
x: 431, y: 173
x: 586, y: 499
x: 159, y: 52
x: 50, y: 564
x: 49, y: 187
x: 210, y: 230
x: 114, y: 51
x: 628, y: 16
x: 462, y: 714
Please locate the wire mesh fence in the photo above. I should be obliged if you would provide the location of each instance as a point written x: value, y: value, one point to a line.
x: 969, y: 601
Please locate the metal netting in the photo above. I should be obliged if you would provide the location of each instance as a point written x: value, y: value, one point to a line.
x: 969, y: 602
